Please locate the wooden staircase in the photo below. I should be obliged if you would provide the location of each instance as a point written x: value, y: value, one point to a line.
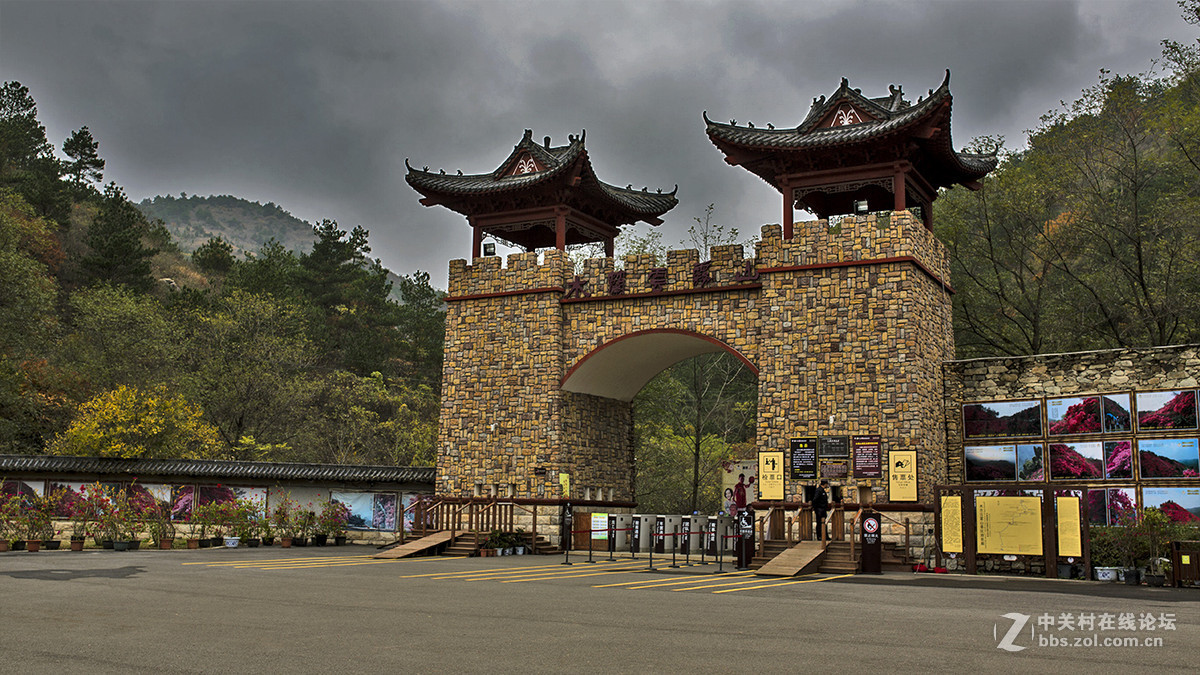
x: 837, y: 559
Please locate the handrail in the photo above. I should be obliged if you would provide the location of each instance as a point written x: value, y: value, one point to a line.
x: 761, y: 537
x: 854, y: 532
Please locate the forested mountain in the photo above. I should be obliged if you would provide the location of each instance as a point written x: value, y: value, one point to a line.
x: 1089, y: 238
x: 115, y: 342
x: 245, y: 225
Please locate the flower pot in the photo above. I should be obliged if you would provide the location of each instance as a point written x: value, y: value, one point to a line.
x: 216, y: 541
x: 165, y: 544
x: 135, y: 544
x: 487, y: 552
x: 76, y: 545
x: 1158, y: 580
x: 121, y: 545
x: 320, y: 539
x: 299, y: 541
x: 231, y: 542
x: 51, y: 544
x: 193, y: 543
x: 1065, y: 570
x: 3, y: 545
x: 107, y: 544
x: 268, y: 541
x: 1108, y: 574
x: 285, y: 542
x: 339, y: 540
x: 204, y: 543
x: 33, y: 545
x: 252, y: 543
x: 18, y: 544
x: 1131, y: 577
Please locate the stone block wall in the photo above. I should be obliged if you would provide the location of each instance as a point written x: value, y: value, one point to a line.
x: 1052, y: 375
x: 851, y: 321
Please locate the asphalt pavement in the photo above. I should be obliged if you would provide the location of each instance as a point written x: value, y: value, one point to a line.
x: 334, y: 609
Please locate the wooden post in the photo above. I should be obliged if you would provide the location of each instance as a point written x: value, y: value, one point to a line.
x: 560, y: 230
x: 609, y: 249
x: 1049, y: 536
x: 968, y: 519
x: 899, y: 198
x: 789, y: 207
x: 477, y: 243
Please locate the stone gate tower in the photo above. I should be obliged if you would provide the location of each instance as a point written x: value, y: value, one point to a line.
x: 846, y: 324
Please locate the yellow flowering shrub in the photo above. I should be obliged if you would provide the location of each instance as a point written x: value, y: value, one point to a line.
x: 129, y: 423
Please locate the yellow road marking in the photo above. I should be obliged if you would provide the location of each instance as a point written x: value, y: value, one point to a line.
x: 786, y: 583
x: 573, y: 576
x: 470, y: 572
x: 274, y: 561
x: 652, y: 584
x: 647, y: 581
x: 732, y: 583
x: 547, y: 573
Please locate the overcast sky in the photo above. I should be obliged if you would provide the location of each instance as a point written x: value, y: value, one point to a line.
x: 315, y: 105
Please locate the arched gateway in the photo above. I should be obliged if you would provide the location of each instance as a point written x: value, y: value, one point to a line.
x: 847, y: 327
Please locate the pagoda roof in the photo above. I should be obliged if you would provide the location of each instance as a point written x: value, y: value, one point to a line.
x: 849, y: 121
x: 534, y: 168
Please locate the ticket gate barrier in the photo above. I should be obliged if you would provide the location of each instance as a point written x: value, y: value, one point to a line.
x: 643, y: 531
x: 669, y: 533
x: 618, y: 531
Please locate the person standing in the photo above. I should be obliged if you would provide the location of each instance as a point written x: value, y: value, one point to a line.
x: 820, y: 506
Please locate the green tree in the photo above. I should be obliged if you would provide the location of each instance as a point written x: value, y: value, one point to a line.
x: 85, y: 168
x: 421, y: 325
x: 27, y: 162
x: 118, y: 255
x: 214, y: 256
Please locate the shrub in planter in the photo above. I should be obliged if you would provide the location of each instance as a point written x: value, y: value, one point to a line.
x: 333, y: 518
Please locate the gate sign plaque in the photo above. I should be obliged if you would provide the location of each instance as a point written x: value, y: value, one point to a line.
x: 835, y: 446
x: 867, y: 456
x: 770, y: 475
x: 804, y: 458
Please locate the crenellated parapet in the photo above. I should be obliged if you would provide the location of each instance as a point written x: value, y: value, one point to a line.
x: 877, y: 238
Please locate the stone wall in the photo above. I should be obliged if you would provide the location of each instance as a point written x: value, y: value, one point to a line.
x: 851, y: 322
x: 1052, y: 375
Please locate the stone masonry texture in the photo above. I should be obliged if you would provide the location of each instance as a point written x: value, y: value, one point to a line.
x: 850, y: 322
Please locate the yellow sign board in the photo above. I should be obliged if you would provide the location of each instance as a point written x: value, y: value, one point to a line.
x: 1009, y: 525
x: 564, y: 479
x: 1185, y: 559
x: 952, y: 533
x: 902, y: 476
x: 770, y: 475
x: 1070, y: 542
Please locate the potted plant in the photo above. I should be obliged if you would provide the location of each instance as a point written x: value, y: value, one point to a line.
x: 304, y: 522
x: 332, y: 520
x: 160, y: 526
x: 9, y: 511
x: 266, y: 531
x: 1130, y: 544
x: 1106, y: 559
x: 283, y: 521
x: 1157, y: 528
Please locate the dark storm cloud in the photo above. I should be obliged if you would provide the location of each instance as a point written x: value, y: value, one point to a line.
x: 316, y: 105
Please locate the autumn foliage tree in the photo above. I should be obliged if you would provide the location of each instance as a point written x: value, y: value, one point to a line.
x: 135, y: 424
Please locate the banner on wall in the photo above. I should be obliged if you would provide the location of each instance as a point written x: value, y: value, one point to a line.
x: 738, y: 485
x: 902, y: 476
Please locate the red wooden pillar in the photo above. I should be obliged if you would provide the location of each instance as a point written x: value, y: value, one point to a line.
x: 898, y: 190
x: 476, y: 242
x: 609, y: 249
x: 560, y: 230
x: 789, y: 208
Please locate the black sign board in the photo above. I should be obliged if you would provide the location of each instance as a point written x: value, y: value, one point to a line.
x: 835, y: 468
x: 804, y: 458
x: 867, y: 454
x: 635, y: 541
x: 872, y: 525
x: 835, y: 446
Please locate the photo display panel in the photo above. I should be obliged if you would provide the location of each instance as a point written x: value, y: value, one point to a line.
x: 1002, y: 419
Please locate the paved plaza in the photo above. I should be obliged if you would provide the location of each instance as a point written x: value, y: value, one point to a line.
x: 337, y: 610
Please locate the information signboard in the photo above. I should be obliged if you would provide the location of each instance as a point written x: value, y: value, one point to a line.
x: 867, y: 456
x: 599, y: 526
x: 952, y: 532
x: 1009, y: 525
x: 902, y: 476
x: 835, y: 446
x: 804, y: 458
x: 770, y: 475
x: 1070, y: 542
x: 835, y: 468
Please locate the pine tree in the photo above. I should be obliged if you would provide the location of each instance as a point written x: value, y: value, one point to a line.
x: 115, y: 238
x: 85, y: 167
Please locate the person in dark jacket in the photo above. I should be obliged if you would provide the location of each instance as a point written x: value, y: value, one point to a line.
x: 820, y: 506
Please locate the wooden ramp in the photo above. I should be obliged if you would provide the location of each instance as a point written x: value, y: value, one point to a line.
x: 803, y: 558
x: 416, y: 546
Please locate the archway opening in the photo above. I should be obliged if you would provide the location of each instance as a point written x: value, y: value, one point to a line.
x: 694, y: 412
